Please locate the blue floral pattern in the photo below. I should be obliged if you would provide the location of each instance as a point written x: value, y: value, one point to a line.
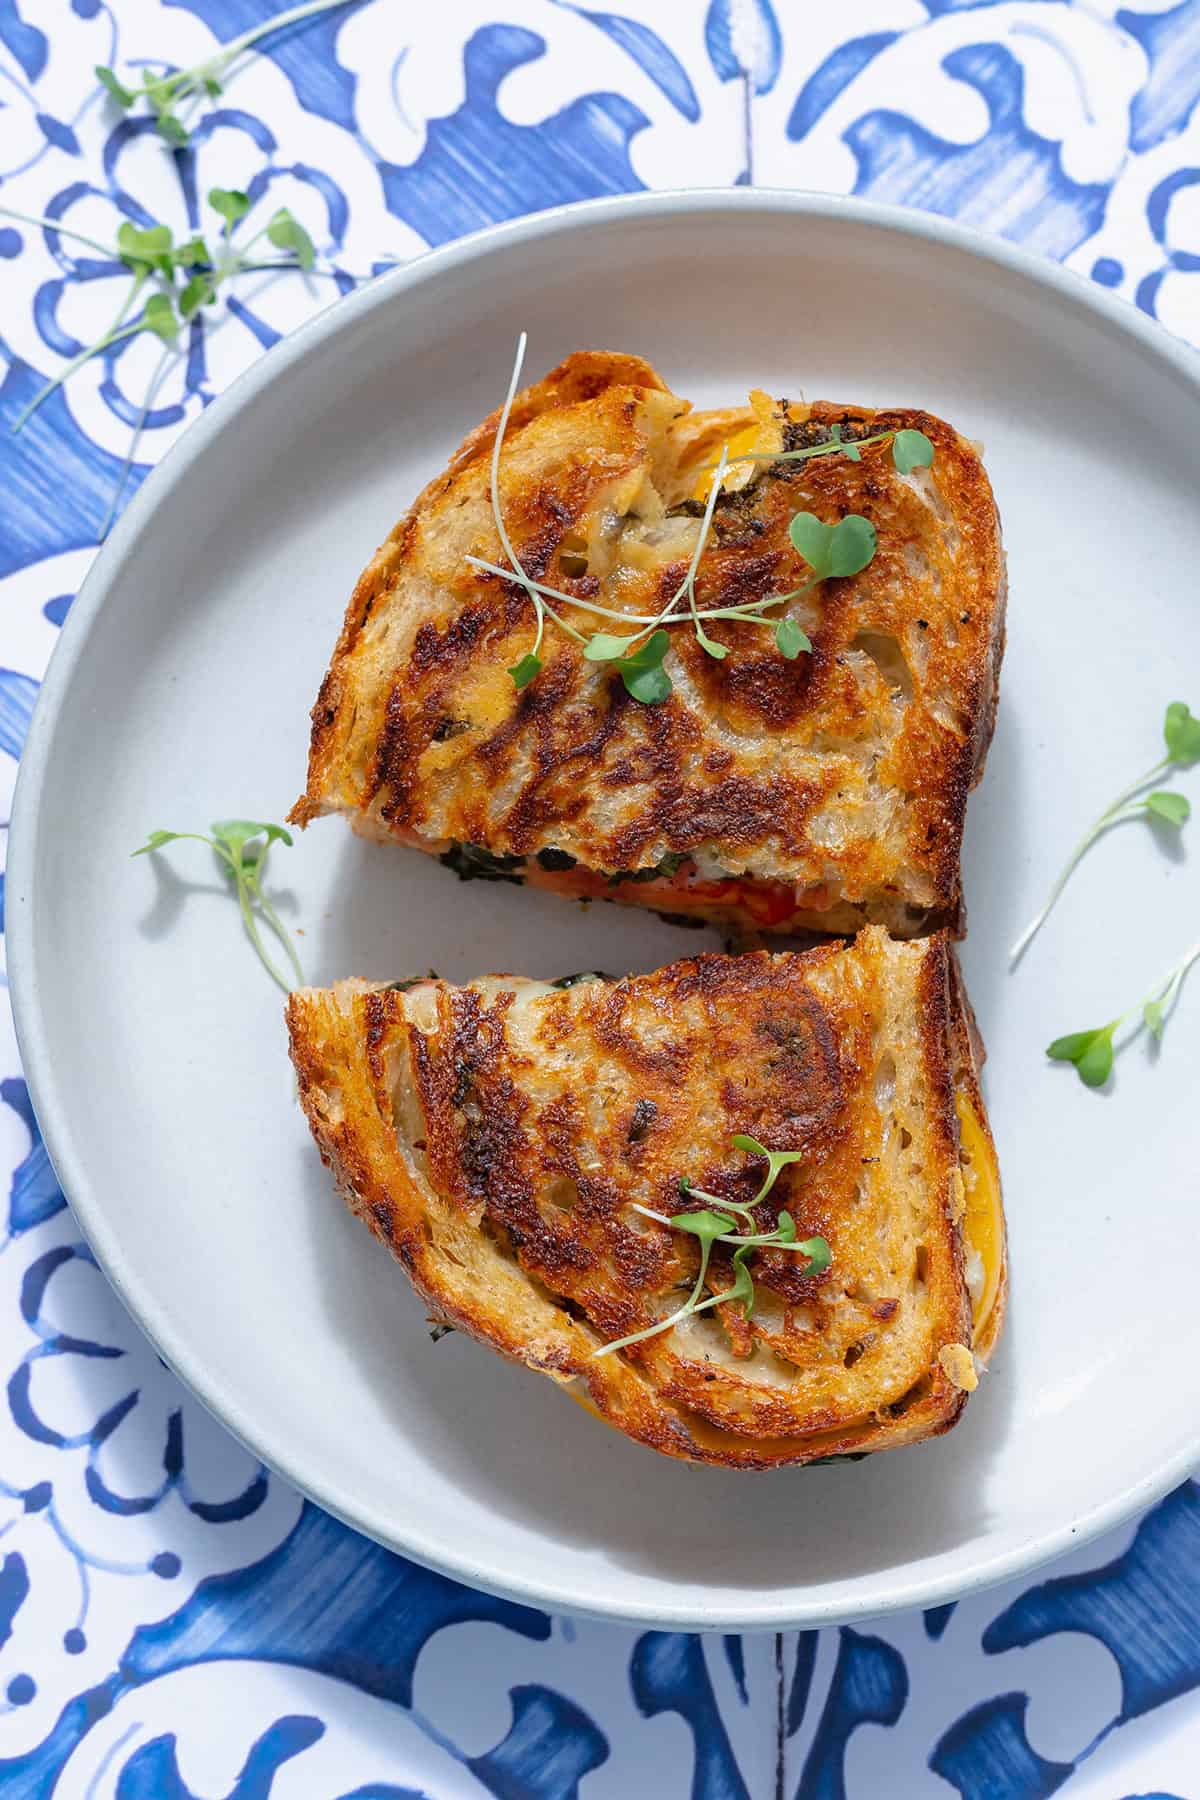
x: 174, y: 1621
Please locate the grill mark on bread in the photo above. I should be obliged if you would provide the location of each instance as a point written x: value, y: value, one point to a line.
x: 843, y: 791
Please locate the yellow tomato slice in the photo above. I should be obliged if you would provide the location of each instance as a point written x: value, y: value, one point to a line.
x: 983, y: 1224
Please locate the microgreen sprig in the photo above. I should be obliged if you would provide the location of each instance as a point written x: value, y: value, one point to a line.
x: 831, y: 551
x: 157, y: 316
x: 911, y: 449
x: 1181, y: 734
x: 530, y: 664
x: 151, y: 255
x: 241, y: 847
x: 164, y: 93
x: 1092, y: 1052
x: 717, y: 1224
x: 641, y: 669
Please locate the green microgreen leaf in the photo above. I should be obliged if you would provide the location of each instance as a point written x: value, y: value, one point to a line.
x: 157, y: 839
x: 716, y: 1225
x: 198, y: 292
x: 814, y: 541
x: 705, y: 1224
x: 819, y: 1254
x: 852, y: 545
x: 1182, y: 733
x: 851, y: 451
x: 287, y: 233
x: 524, y: 671
x: 604, y: 647
x: 162, y: 93
x: 1091, y: 1052
x: 743, y: 1281
x: 1175, y: 809
x: 911, y: 450
x: 777, y: 1161
x: 241, y: 846
x: 790, y: 640
x: 192, y: 254
x: 145, y: 249
x: 172, y: 128
x: 159, y: 317
x: 236, y: 833
x: 116, y: 89
x: 642, y: 671
x: 833, y: 550
x: 650, y: 686
x: 710, y: 646
x: 750, y: 1145
x: 230, y: 203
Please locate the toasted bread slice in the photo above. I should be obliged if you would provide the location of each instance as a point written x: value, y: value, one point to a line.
x: 821, y: 792
x: 498, y: 1137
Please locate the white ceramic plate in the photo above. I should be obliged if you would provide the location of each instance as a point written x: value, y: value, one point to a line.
x: 154, y: 1044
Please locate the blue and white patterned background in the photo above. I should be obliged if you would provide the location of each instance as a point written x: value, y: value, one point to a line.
x: 173, y: 1621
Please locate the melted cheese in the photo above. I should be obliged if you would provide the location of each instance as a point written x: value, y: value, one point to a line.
x: 764, y: 436
x: 739, y: 445
x: 983, y: 1224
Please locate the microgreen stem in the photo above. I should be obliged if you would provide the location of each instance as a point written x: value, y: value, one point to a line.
x: 135, y: 287
x: 710, y: 1227
x: 184, y: 82
x: 236, y: 845
x: 263, y: 268
x: 292, y: 17
x: 832, y: 448
x: 1167, y: 993
x: 1092, y: 1052
x: 714, y: 649
x: 743, y: 1240
x: 168, y: 356
x: 688, y: 1310
x: 830, y: 550
x: 687, y: 585
x: 1114, y: 814
x: 81, y: 237
x: 253, y: 885
x: 518, y: 571
x: 749, y: 609
x: 76, y: 362
x: 248, y: 920
x: 581, y: 601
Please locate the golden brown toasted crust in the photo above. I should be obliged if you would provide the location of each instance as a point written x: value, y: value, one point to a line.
x: 495, y: 1136
x: 840, y: 777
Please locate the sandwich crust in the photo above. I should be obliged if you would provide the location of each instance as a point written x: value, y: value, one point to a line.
x: 825, y: 792
x: 497, y: 1136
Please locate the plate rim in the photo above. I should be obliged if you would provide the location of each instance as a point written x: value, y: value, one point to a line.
x: 891, y: 1591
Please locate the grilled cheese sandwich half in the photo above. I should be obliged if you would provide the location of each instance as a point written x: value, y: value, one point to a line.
x: 820, y: 793
x: 508, y: 1139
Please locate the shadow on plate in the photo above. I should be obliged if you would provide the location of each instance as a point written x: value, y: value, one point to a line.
x: 524, y: 1451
